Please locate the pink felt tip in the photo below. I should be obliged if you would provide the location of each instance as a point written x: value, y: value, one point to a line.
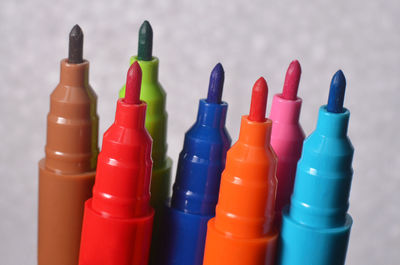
x: 259, y: 100
x: 292, y: 80
x: 133, y: 83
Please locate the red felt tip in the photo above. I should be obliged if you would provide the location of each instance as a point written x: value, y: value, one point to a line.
x: 259, y: 100
x: 133, y: 83
x: 292, y: 80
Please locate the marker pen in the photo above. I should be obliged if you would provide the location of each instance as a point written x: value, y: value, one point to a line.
x: 118, y: 218
x: 243, y: 229
x: 195, y: 192
x: 287, y: 136
x: 66, y: 174
x: 156, y: 121
x: 316, y: 226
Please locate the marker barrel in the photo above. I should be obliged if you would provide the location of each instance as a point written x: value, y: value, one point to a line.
x: 156, y: 124
x: 202, y: 161
x: 196, y: 187
x: 243, y: 230
x: 287, y: 140
x: 316, y: 226
x: 66, y: 174
x: 118, y: 219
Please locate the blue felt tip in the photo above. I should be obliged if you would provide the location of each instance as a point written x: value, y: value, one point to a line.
x: 336, y: 93
x: 216, y: 84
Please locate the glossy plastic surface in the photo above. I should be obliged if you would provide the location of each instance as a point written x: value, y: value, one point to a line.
x: 316, y: 226
x: 156, y: 124
x: 118, y: 219
x: 287, y: 140
x: 196, y: 187
x: 66, y: 174
x: 243, y: 230
x: 202, y: 161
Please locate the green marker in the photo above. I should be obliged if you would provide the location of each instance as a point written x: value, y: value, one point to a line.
x: 156, y: 121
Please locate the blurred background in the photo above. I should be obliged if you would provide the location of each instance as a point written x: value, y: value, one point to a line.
x: 251, y: 39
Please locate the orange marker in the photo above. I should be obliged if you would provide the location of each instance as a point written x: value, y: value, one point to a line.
x: 243, y: 231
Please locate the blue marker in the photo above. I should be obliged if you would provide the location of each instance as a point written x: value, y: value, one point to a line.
x: 195, y: 192
x: 316, y: 226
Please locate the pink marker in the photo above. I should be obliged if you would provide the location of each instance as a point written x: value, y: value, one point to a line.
x: 287, y: 135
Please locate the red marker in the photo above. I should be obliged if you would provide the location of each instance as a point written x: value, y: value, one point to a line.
x: 118, y: 219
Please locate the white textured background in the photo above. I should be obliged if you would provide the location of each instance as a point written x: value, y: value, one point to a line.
x: 250, y: 38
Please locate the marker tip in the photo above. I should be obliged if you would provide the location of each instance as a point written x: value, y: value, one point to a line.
x: 133, y: 83
x: 75, y: 49
x: 145, y: 45
x: 336, y: 93
x: 292, y: 81
x: 259, y: 100
x: 216, y: 84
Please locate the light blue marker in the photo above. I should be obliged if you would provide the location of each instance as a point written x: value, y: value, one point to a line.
x: 316, y: 226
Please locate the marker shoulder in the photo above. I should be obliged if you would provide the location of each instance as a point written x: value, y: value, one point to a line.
x: 326, y: 167
x: 202, y: 160
x: 248, y: 183
x: 72, y: 122
x: 66, y: 174
x: 125, y: 156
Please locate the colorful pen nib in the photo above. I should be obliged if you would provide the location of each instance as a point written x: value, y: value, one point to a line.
x: 133, y: 83
x: 292, y: 80
x: 145, y: 46
x: 259, y: 100
x: 336, y: 93
x: 75, y: 51
x: 216, y: 84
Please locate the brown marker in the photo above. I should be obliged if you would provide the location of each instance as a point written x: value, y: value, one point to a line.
x: 66, y: 174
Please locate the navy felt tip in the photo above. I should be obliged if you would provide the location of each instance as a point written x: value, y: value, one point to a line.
x: 216, y: 84
x: 336, y: 93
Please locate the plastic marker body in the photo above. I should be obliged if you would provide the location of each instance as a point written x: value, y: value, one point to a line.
x: 66, y: 174
x: 196, y: 187
x: 118, y: 219
x: 156, y: 122
x: 287, y: 135
x: 243, y: 231
x: 316, y: 226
